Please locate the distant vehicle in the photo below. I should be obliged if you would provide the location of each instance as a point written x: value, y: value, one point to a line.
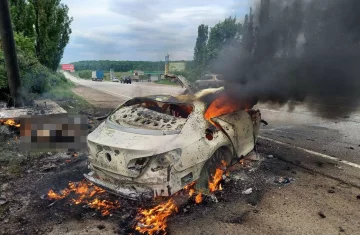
x: 97, y: 75
x: 127, y: 80
x: 210, y: 81
x: 115, y: 80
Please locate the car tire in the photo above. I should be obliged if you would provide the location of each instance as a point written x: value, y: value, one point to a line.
x: 209, y: 168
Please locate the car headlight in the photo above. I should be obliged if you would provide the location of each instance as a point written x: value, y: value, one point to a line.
x: 165, y: 159
x: 138, y: 164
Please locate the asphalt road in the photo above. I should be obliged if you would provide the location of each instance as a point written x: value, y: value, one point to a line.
x: 127, y: 91
x: 320, y: 154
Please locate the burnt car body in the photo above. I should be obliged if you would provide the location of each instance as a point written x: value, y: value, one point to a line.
x: 154, y: 146
x: 210, y: 81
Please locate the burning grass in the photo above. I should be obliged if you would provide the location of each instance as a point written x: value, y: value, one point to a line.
x: 86, y: 193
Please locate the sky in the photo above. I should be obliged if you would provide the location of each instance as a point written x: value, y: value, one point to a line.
x: 142, y: 29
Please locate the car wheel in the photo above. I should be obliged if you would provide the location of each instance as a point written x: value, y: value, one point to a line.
x: 209, y: 169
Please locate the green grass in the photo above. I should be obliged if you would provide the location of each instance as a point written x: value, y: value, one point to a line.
x: 67, y: 99
x: 165, y: 82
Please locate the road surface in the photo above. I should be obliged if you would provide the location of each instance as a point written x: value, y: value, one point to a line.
x: 127, y: 91
x: 322, y: 155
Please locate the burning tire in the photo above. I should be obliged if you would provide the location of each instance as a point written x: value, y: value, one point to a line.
x: 220, y: 159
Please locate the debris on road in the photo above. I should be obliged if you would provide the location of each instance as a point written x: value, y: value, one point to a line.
x: 283, y: 180
x: 358, y: 196
x: 3, y: 201
x: 101, y: 226
x: 331, y: 191
x: 341, y: 230
x: 322, y: 215
x: 247, y: 191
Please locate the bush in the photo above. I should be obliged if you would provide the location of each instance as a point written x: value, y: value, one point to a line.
x: 86, y: 74
x: 36, y: 79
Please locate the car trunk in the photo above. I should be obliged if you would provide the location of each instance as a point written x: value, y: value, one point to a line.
x: 112, y: 150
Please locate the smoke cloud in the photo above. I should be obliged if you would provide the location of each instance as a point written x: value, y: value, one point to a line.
x: 298, y: 51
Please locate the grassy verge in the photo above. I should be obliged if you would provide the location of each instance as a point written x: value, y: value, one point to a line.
x: 165, y: 82
x: 67, y: 99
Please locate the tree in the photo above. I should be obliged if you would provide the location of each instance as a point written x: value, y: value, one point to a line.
x: 23, y: 17
x: 52, y: 27
x: 200, y: 49
x: 248, y: 37
x: 47, y: 23
x: 222, y: 34
x: 24, y: 44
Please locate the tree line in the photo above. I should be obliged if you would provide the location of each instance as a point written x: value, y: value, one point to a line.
x: 120, y: 66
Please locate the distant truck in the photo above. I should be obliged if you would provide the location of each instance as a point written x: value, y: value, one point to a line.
x: 97, y: 75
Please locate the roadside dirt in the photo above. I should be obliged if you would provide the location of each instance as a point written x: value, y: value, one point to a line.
x: 311, y: 204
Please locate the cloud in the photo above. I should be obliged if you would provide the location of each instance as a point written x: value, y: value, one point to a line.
x: 142, y: 30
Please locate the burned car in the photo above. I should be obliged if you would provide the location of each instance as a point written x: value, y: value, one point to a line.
x: 155, y: 145
x: 210, y: 81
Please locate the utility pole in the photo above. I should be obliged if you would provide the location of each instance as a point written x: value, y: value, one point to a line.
x: 11, y: 63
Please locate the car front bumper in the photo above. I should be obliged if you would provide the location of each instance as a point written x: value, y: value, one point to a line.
x: 127, y: 190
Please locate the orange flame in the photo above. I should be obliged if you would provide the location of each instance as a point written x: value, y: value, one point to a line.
x: 198, y: 198
x: 221, y: 106
x: 152, y: 221
x: 85, y: 191
x: 214, y: 183
x: 51, y: 194
x: 103, y: 205
x: 191, y: 192
x: 10, y: 122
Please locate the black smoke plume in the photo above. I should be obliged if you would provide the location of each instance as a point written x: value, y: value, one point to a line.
x: 298, y: 51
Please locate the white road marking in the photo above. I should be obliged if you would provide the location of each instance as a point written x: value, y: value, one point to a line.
x: 314, y: 153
